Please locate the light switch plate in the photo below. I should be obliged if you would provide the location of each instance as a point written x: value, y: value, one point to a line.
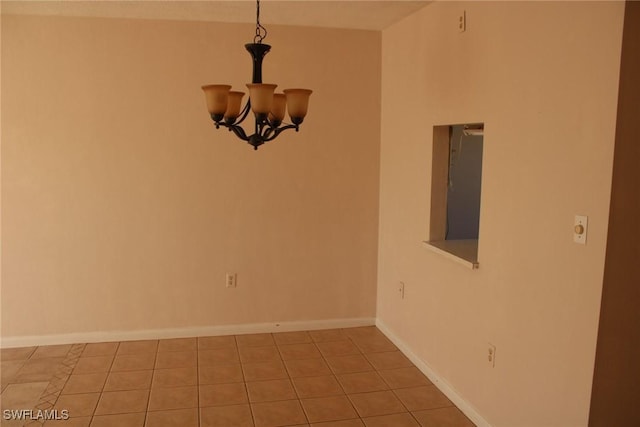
x: 580, y: 229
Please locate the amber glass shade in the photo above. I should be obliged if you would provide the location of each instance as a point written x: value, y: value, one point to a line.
x: 217, y: 97
x: 297, y: 103
x: 261, y: 96
x: 234, y: 105
x: 279, y: 107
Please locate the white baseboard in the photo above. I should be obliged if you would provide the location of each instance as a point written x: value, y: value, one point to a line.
x: 196, y: 331
x: 433, y: 376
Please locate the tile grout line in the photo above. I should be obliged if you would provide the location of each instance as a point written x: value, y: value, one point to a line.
x: 153, y: 374
x: 105, y: 383
x: 244, y: 379
x: 197, y: 379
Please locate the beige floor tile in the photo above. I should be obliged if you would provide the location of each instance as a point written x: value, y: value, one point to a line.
x: 258, y: 354
x: 119, y: 420
x: 93, y: 364
x: 177, y: 359
x: 136, y: 347
x: 264, y: 371
x: 361, y: 382
x: 226, y: 416
x: 331, y: 408
x: 222, y: 394
x: 129, y: 380
x: 442, y: 417
x: 122, y: 402
x: 71, y: 422
x: 337, y: 348
x: 217, y: 356
x: 307, y: 368
x: 374, y: 344
x: 255, y: 340
x: 388, y: 360
x: 326, y: 378
x: 173, y: 418
x: 78, y: 405
x: 57, y: 383
x: 363, y: 332
x: 395, y: 420
x: 220, y: 374
x: 376, y: 403
x: 133, y: 362
x: 271, y: 390
x: 100, y: 349
x: 425, y: 397
x: 173, y: 398
x: 323, y: 386
x: 205, y: 343
x: 292, y: 337
x: 35, y: 370
x: 404, y: 377
x: 175, y: 377
x: 9, y: 369
x: 85, y: 383
x: 349, y: 364
x: 178, y: 344
x: 18, y: 353
x: 341, y: 423
x: 282, y: 413
x: 325, y: 335
x: 22, y: 396
x: 51, y: 351
x: 299, y: 351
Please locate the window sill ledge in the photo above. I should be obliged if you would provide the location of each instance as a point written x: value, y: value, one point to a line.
x: 463, y: 252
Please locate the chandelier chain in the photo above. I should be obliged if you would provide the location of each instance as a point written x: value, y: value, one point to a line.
x: 261, y: 32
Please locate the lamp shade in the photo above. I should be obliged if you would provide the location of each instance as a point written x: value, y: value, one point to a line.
x: 279, y: 107
x: 261, y: 96
x: 217, y: 97
x: 297, y: 103
x: 234, y: 105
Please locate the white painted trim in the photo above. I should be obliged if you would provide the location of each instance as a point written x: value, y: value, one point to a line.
x: 196, y: 331
x: 450, y: 252
x: 433, y: 376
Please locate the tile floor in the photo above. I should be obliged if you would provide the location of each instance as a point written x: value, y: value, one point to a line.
x: 339, y: 377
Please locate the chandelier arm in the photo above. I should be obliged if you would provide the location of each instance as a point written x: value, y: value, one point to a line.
x: 278, y: 131
x: 267, y: 132
x: 245, y: 112
x: 240, y: 133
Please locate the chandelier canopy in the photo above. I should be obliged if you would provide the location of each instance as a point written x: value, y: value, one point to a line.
x: 269, y: 108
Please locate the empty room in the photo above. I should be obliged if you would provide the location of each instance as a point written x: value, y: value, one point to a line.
x: 320, y: 213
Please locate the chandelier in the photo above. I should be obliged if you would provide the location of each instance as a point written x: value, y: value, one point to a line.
x: 268, y: 108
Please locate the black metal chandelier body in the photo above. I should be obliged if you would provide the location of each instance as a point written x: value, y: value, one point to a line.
x: 268, y: 107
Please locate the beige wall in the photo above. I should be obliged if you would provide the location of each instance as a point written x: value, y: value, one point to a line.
x: 123, y: 207
x: 543, y: 78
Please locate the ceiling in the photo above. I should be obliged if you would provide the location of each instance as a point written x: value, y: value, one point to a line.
x: 354, y: 14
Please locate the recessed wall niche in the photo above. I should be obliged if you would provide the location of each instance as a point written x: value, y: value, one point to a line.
x: 456, y: 184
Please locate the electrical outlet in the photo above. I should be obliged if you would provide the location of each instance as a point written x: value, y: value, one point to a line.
x: 401, y: 289
x: 462, y: 22
x: 491, y: 355
x: 231, y: 280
